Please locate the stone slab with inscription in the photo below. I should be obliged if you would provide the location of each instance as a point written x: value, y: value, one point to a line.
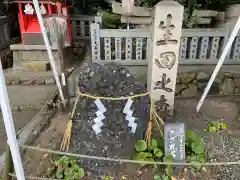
x: 174, y: 141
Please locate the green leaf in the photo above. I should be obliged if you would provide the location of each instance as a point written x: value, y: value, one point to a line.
x: 192, y: 137
x: 212, y: 129
x: 158, y: 152
x: 195, y: 164
x: 61, y: 161
x: 198, y: 158
x: 68, y: 171
x: 140, y: 145
x: 197, y: 148
x: 156, y: 177
x: 154, y: 144
x: 79, y: 174
x: 141, y: 156
x: 59, y: 173
x: 223, y: 126
x: 169, y: 170
x: 190, y: 134
x: 201, y: 158
x: 148, y: 154
x: 164, y: 177
x: 150, y: 159
x: 168, y: 158
x: 160, y: 143
x: 72, y: 162
x: 75, y: 167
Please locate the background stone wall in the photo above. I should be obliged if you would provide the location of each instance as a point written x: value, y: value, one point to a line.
x: 194, y: 83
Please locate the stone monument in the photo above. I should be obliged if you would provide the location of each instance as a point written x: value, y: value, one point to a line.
x: 108, y: 128
x: 163, y: 58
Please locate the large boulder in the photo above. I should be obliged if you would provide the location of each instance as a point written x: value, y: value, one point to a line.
x: 227, y: 87
x: 116, y: 139
x: 202, y: 77
x: 190, y: 91
x: 187, y: 78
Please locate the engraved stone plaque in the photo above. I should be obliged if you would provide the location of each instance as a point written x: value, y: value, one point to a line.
x: 174, y: 141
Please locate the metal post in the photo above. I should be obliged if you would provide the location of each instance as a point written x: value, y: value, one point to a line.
x: 63, y: 66
x: 49, y: 50
x: 220, y: 62
x: 9, y: 126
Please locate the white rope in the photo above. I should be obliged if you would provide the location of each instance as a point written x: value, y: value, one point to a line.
x: 32, y: 177
x: 128, y: 160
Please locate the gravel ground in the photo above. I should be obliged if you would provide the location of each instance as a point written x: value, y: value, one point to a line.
x: 221, y: 147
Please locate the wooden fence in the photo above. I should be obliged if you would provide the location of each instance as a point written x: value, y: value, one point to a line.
x: 4, y: 32
x: 130, y: 47
x: 80, y: 25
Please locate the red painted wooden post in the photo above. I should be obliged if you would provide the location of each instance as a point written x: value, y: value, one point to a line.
x: 69, y: 25
x: 49, y: 9
x: 21, y: 21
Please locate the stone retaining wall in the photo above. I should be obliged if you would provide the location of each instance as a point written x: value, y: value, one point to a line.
x: 30, y: 81
x: 194, y: 83
x: 36, y: 60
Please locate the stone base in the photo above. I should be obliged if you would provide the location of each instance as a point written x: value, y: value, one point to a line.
x: 35, y: 57
x: 21, y: 77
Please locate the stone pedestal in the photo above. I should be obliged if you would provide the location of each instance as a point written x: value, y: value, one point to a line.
x: 166, y: 30
x: 35, y: 57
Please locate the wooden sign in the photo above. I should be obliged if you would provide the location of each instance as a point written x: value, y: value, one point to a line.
x: 174, y: 141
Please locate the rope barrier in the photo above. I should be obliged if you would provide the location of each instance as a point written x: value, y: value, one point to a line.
x: 128, y: 160
x: 32, y: 177
x: 67, y: 135
x: 114, y: 98
x: 67, y: 141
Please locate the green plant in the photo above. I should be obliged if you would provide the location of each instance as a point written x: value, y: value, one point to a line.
x: 194, y: 148
x: 189, y: 21
x: 156, y: 177
x: 168, y: 168
x: 216, y: 126
x: 107, y: 178
x: 145, y: 153
x: 162, y: 177
x: 65, y: 168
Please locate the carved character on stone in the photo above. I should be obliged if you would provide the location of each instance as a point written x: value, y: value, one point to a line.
x: 162, y: 107
x: 166, y: 60
x: 162, y: 84
x: 168, y: 27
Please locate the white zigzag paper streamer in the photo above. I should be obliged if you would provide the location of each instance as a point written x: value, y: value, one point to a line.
x: 100, y: 116
x: 129, y: 116
x: 28, y: 9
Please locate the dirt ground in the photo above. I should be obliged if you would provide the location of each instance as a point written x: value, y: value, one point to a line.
x: 221, y: 147
x: 35, y: 162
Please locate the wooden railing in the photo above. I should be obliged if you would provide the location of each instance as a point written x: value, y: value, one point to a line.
x: 130, y: 47
x: 80, y: 25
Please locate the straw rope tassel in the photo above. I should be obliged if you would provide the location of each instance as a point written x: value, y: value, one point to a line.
x: 149, y: 126
x: 67, y: 135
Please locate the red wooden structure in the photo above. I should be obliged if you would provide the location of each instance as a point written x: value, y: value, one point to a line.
x: 29, y: 26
